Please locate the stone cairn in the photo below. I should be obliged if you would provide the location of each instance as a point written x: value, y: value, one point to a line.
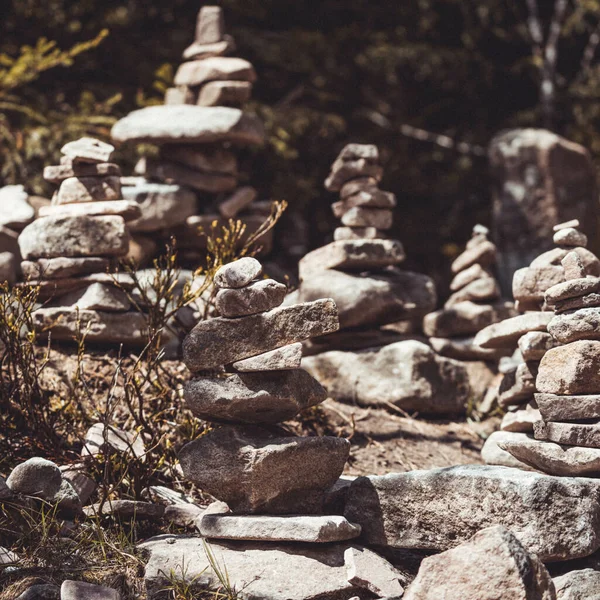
x: 567, y: 435
x: 474, y: 304
x: 69, y: 250
x: 528, y: 333
x: 196, y: 129
x: 358, y: 269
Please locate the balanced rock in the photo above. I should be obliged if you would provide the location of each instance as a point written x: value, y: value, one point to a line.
x: 572, y: 434
x: 583, y: 324
x: 568, y: 408
x: 509, y: 331
x: 88, y: 189
x: 438, y: 509
x: 255, y: 298
x: 253, y: 397
x: 15, y: 210
x: 254, y: 470
x: 286, y: 357
x: 122, y: 208
x: 238, y: 274
x: 58, y: 173
x: 88, y: 150
x: 63, y: 267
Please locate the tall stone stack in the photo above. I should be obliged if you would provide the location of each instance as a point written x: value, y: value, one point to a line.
x: 567, y: 435
x: 474, y: 304
x: 275, y: 535
x: 379, y: 356
x: 69, y: 251
x: 527, y: 334
x: 195, y: 179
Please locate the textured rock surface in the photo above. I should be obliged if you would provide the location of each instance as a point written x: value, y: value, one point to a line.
x: 366, y: 570
x: 88, y: 150
x: 385, y: 297
x: 535, y: 344
x: 35, y: 477
x: 521, y: 420
x: 553, y: 517
x: 51, y: 237
x: 222, y: 341
x: 568, y: 408
x: 121, y: 208
x: 88, y: 189
x: 531, y: 283
x: 491, y: 565
x: 508, y: 332
x: 238, y: 273
x: 578, y: 585
x: 407, y: 374
x: 15, y: 211
x: 80, y: 590
x: 572, y: 289
x: 284, y: 358
x: 253, y: 397
x: 583, y: 324
x: 197, y: 72
x: 572, y: 369
x: 494, y: 453
x: 98, y: 296
x: 62, y: 268
x: 268, y: 571
x: 99, y: 437
x: 572, y: 434
x: 554, y: 459
x: 255, y: 298
x: 189, y: 124
x: 284, y: 528
x: 254, y: 471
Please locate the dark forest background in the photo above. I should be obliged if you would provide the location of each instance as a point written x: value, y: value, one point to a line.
x: 429, y: 81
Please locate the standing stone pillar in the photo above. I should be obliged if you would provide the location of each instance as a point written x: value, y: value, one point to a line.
x: 538, y: 179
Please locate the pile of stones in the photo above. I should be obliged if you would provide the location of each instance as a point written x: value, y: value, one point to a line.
x: 69, y: 251
x: 474, y: 304
x: 567, y: 434
x: 195, y: 179
x: 379, y: 355
x: 527, y: 333
x: 273, y: 530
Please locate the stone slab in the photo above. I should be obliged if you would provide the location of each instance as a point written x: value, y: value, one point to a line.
x: 568, y: 408
x: 280, y: 359
x: 122, y: 208
x: 508, y: 332
x: 582, y: 324
x: 88, y: 189
x: 569, y: 434
x: 58, y: 173
x: 196, y: 72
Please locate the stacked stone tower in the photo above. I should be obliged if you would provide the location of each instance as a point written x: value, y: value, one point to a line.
x: 247, y: 379
x: 197, y: 129
x: 528, y: 331
x: 474, y: 304
x: 568, y: 380
x: 70, y: 249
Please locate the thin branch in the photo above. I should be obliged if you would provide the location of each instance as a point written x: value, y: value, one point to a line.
x: 534, y: 24
x: 588, y: 54
x: 442, y: 140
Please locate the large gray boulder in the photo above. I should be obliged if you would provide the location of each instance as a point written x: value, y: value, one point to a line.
x: 491, y: 565
x: 408, y: 374
x: 553, y: 517
x: 383, y: 297
x: 264, y: 570
x: 539, y: 179
x: 255, y: 470
x: 578, y: 585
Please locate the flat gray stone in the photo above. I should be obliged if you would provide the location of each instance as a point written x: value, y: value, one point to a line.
x: 343, y: 234
x: 285, y: 528
x: 508, y: 332
x: 568, y: 408
x: 467, y: 276
x: 360, y: 216
x: 535, y: 344
x: 80, y: 590
x: 464, y: 349
x: 172, y: 173
x: 77, y: 476
x: 583, y: 324
x: 408, y: 374
x: 571, y: 370
x: 530, y: 283
x: 97, y: 296
x: 493, y: 452
x: 197, y: 50
x: 518, y: 385
x: 374, y: 198
x: 202, y: 158
x: 100, y: 327
x: 466, y: 318
x: 122, y: 208
x: 239, y: 200
x: 58, y: 173
x: 343, y: 171
x: 189, y: 125
x: 88, y: 189
x: 258, y: 297
x: 35, y: 477
x: 253, y: 397
x: 572, y: 289
x: 573, y: 266
x: 100, y: 437
x: 480, y: 290
x: 222, y: 68
x: 521, y: 420
x: 365, y: 569
x: 573, y: 223
x: 238, y: 274
x: 578, y: 585
x: 355, y: 151
x: 570, y: 237
x: 284, y: 358
x: 587, y: 301
x: 162, y: 205
x: 221, y: 341
x: 483, y: 253
x: 88, y: 150
x: 554, y: 459
x: 15, y: 210
x: 127, y: 509
x: 51, y: 237
x: 439, y: 509
x: 254, y: 471
x: 492, y: 562
x: 224, y: 93
x: 362, y: 254
x: 361, y: 184
x: 569, y: 434
x: 377, y: 299
x: 269, y: 571
x: 63, y: 268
